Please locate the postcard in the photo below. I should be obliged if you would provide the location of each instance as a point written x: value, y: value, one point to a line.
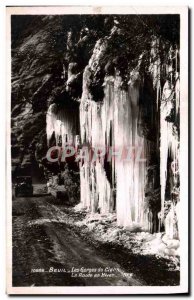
x: 97, y: 150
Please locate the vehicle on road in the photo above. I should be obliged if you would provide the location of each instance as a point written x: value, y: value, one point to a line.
x: 23, y: 186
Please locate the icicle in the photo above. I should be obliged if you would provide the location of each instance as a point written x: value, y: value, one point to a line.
x: 113, y: 120
x: 50, y: 121
x: 63, y: 122
x: 169, y: 138
x: 155, y: 68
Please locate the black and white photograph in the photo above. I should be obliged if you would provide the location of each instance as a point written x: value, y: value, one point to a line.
x: 97, y: 135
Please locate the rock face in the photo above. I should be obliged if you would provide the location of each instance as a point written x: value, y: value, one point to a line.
x: 106, y: 82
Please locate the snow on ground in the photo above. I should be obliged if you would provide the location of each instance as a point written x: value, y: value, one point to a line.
x: 105, y: 229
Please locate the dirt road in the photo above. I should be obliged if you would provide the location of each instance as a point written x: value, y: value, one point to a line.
x: 46, y: 252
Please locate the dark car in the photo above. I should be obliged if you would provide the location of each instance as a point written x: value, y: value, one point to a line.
x: 23, y: 186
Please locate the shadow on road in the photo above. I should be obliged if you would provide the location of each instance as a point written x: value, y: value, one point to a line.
x: 40, y: 195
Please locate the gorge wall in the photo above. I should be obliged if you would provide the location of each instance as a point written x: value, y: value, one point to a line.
x: 106, y: 82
